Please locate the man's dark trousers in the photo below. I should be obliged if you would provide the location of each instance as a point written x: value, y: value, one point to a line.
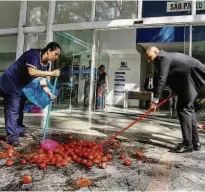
x: 187, y: 118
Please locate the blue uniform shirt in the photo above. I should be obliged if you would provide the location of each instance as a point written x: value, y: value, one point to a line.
x: 17, y: 77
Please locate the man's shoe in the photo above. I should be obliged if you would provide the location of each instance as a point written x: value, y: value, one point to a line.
x: 181, y: 148
x: 196, y: 146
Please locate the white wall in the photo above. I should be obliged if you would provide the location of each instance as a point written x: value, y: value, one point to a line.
x: 118, y: 40
x: 132, y: 77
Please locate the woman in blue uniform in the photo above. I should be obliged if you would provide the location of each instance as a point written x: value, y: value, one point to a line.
x: 31, y: 64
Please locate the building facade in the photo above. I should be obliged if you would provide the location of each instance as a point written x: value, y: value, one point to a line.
x: 91, y: 33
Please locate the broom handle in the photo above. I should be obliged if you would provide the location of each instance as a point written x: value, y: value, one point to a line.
x: 136, y: 121
x: 49, y: 110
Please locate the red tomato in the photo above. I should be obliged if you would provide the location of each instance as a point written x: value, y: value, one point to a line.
x: 42, y: 166
x: 68, y: 159
x: 58, y: 158
x: 9, y: 154
x: 72, y: 153
x: 23, y: 162
x: 64, y: 162
x: 139, y: 154
x: 85, y: 154
x: 74, y: 157
x: 7, y: 147
x: 78, y: 160
x: 38, y: 160
x: 34, y: 158
x: 103, y: 165
x: 104, y: 159
x: 89, y: 164
x: 98, y: 156
x: 127, y: 162
x: 9, y: 162
x: 122, y: 156
x: 84, y: 161
x: 52, y: 161
x: 49, y: 152
x: 10, y: 150
x: 109, y: 156
x: 91, y: 157
x: 96, y: 160
x: 26, y: 179
x: 41, y: 151
x: 80, y: 153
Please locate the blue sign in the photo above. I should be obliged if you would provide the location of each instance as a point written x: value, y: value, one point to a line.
x: 169, y: 34
x: 162, y: 34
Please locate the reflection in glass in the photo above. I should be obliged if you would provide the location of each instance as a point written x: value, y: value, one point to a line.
x: 108, y: 10
x: 7, y: 51
x: 198, y: 44
x: 9, y: 14
x: 73, y: 11
x: 37, y: 13
x: 75, y: 65
x: 35, y: 41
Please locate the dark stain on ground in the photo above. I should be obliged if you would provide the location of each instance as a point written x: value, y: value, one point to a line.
x: 14, y: 187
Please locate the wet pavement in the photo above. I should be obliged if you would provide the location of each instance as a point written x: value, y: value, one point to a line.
x: 155, y: 135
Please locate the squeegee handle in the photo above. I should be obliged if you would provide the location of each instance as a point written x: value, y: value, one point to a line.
x: 49, y: 110
x: 136, y: 121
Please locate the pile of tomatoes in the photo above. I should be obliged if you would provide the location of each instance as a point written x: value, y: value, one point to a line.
x: 86, y: 153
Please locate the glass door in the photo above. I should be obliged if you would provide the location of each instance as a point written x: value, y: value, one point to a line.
x: 75, y: 66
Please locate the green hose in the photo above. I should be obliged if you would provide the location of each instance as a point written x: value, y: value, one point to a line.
x: 49, y: 111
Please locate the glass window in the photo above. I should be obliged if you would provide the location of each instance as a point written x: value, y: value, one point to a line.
x: 75, y: 65
x: 35, y: 40
x: 73, y: 11
x: 37, y: 13
x: 7, y: 51
x: 198, y: 44
x: 9, y: 14
x: 109, y: 10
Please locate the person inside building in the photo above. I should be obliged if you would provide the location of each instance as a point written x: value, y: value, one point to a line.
x: 31, y: 64
x: 102, y: 85
x: 149, y: 86
x: 186, y: 77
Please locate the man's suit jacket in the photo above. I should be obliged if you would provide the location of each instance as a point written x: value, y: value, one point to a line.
x: 183, y: 74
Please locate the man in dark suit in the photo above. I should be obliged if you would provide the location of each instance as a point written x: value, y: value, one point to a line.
x: 185, y: 76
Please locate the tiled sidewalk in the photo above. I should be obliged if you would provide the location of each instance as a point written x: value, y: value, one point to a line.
x: 154, y: 135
